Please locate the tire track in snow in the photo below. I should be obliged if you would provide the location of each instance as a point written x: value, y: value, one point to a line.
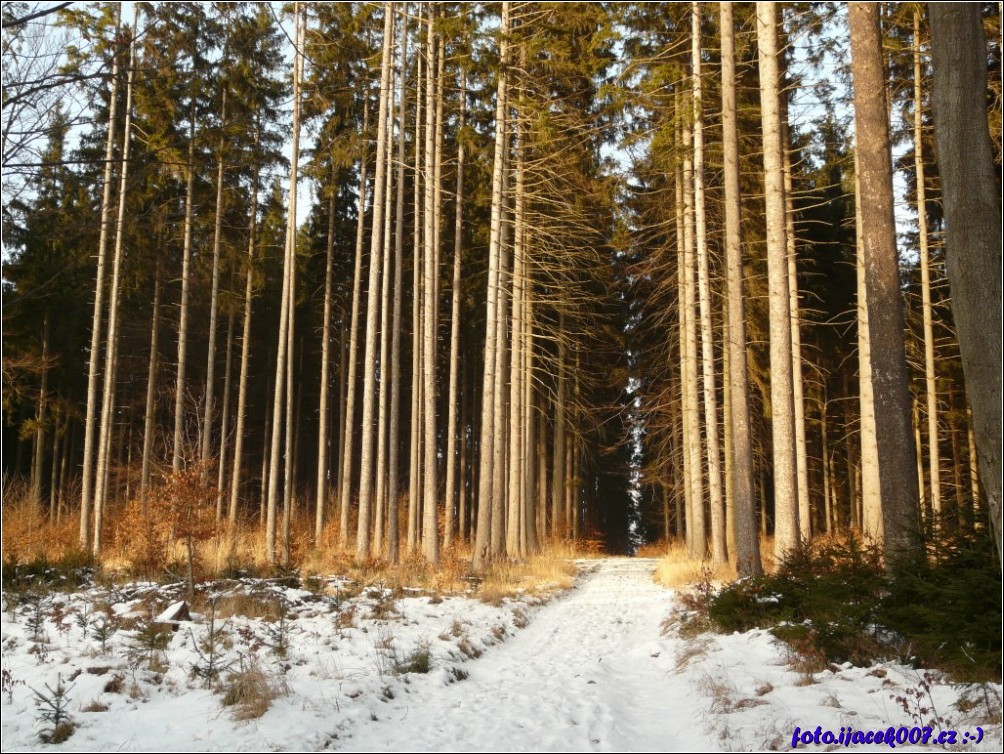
x: 590, y: 672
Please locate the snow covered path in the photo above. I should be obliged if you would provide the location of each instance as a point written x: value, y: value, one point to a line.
x: 589, y: 673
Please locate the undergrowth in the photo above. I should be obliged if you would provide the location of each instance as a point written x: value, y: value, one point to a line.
x: 837, y: 602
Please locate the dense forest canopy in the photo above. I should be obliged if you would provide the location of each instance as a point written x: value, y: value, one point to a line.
x: 402, y: 277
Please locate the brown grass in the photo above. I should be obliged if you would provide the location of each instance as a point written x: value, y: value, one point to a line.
x: 676, y: 568
x: 28, y: 534
x: 250, y: 693
x: 539, y: 574
x: 128, y: 553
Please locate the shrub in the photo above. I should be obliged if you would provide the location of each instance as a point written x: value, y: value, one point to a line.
x: 940, y: 606
x: 825, y: 598
x: 946, y: 602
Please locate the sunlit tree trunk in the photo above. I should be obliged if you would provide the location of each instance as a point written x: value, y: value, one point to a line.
x: 324, y: 407
x: 747, y: 542
x: 697, y: 533
x: 717, y: 502
x: 111, y: 355
x: 457, y: 293
x: 486, y: 449
x: 393, y: 535
x: 934, y: 460
x: 971, y: 198
x: 151, y: 390
x: 348, y: 428
x: 798, y: 391
x: 786, y: 528
x: 415, y: 465
x: 430, y: 534
x: 366, y: 466
x: 870, y: 506
x: 383, y: 420
x: 225, y: 417
x: 214, y: 303
x: 40, y: 421
x: 242, y: 387
x: 93, y: 399
x: 282, y: 385
x: 178, y: 459
x: 897, y: 475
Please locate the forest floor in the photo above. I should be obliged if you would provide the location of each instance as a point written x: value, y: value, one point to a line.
x: 601, y: 667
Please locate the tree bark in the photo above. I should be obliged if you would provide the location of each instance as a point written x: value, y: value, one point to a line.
x: 366, y: 470
x: 786, y: 528
x: 973, y: 219
x: 348, y: 428
x: 893, y: 434
x: 93, y: 399
x: 457, y: 293
x: 111, y: 355
x: 214, y: 303
x: 242, y: 387
x: 151, y: 390
x: 716, y: 500
x: 482, y: 546
x: 934, y: 460
x: 747, y: 553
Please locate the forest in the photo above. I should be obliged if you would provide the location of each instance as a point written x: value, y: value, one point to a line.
x: 406, y: 280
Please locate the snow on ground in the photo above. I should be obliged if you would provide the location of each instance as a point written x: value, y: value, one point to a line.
x: 381, y: 670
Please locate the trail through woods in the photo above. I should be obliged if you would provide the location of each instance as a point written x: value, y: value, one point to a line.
x: 372, y: 668
x: 590, y: 673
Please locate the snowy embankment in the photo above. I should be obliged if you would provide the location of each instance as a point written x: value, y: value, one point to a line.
x: 378, y: 670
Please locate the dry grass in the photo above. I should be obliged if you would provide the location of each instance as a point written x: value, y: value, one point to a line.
x: 694, y: 649
x: 654, y: 549
x: 538, y: 574
x: 28, y: 534
x: 676, y: 568
x: 250, y: 693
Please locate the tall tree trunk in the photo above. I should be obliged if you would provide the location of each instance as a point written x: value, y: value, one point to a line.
x: 348, y: 428
x: 870, y: 505
x: 111, y: 353
x: 683, y: 327
x: 383, y: 419
x: 430, y: 535
x: 178, y: 460
x: 393, y: 535
x: 242, y: 387
x: 457, y: 293
x: 897, y: 476
x: 291, y: 433
x: 786, y: 528
x: 517, y: 431
x: 287, y: 306
x: 41, y: 419
x: 214, y: 304
x: 221, y: 472
x: 486, y: 449
x: 718, y: 551
x: 934, y: 460
x: 798, y: 391
x: 415, y: 430
x: 697, y: 533
x: 973, y: 219
x: 747, y: 553
x: 93, y: 399
x: 151, y: 390
x: 366, y: 470
x: 323, y: 408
